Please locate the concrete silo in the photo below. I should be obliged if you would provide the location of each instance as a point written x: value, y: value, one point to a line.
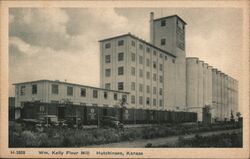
x: 219, y: 96
x: 200, y: 89
x: 205, y: 82
x: 192, y: 83
x: 215, y: 92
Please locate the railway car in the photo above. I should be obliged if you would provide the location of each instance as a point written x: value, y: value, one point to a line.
x: 91, y: 115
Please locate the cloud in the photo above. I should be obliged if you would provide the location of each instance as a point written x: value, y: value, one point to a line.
x: 23, y: 46
x: 40, y: 27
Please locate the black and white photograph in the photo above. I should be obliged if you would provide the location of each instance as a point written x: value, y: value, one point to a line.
x: 125, y: 77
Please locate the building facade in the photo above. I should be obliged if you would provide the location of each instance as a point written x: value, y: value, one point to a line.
x: 46, y: 91
x: 133, y: 65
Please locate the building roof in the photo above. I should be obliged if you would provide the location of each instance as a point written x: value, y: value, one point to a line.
x: 67, y: 83
x: 195, y: 58
x: 141, y: 40
x: 171, y: 16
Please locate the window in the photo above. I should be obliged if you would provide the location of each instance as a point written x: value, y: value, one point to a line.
x: 154, y: 65
x: 148, y: 101
x: 161, y: 67
x: 163, y: 23
x: 120, y: 56
x: 107, y: 59
x: 154, y: 52
x: 163, y: 41
x: 173, y: 60
x: 124, y: 98
x: 115, y: 96
x: 161, y: 56
x: 107, y: 46
x: 105, y: 95
x: 154, y: 90
x: 141, y: 87
x: 133, y: 86
x: 148, y: 62
x: 133, y: 43
x: 140, y: 100
x: 83, y: 92
x: 120, y: 85
x: 160, y: 91
x: 154, y: 77
x: 108, y: 72
x: 41, y: 108
x: 141, y: 46
x: 160, y: 103
x: 132, y: 56
x: 166, y: 57
x: 133, y: 99
x: 70, y: 91
x: 148, y: 89
x: 120, y: 42
x: 141, y: 73
x: 22, y: 90
x: 120, y: 71
x: 95, y: 93
x: 148, y: 49
x: 34, y: 89
x: 133, y: 71
x: 154, y: 102
x: 55, y: 89
x: 148, y: 75
x: 161, y: 79
x: 140, y: 59
x: 107, y: 86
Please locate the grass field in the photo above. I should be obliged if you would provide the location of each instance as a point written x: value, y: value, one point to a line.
x: 20, y: 136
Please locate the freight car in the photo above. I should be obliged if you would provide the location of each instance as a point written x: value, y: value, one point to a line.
x: 91, y: 115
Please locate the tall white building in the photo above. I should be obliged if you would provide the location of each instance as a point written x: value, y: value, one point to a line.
x: 159, y: 76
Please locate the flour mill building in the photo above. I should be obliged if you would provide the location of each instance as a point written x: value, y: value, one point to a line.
x: 153, y: 75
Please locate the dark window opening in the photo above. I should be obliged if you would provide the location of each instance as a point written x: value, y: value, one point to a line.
x: 148, y: 101
x: 115, y: 96
x: 120, y: 85
x: 120, y: 42
x: 107, y: 72
x: 120, y: 71
x: 83, y: 92
x: 107, y: 86
x: 105, y: 95
x: 95, y: 94
x: 55, y: 89
x: 70, y: 91
x: 107, y: 59
x: 120, y: 56
x: 34, y: 89
x: 22, y: 90
x: 108, y: 45
x: 163, y: 41
x: 163, y: 23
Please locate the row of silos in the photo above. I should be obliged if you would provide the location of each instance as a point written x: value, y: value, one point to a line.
x: 224, y: 95
x: 209, y: 86
x: 199, y: 85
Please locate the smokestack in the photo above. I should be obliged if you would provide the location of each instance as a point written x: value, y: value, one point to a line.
x: 151, y: 21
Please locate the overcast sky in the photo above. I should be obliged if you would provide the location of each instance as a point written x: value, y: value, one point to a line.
x: 63, y: 43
